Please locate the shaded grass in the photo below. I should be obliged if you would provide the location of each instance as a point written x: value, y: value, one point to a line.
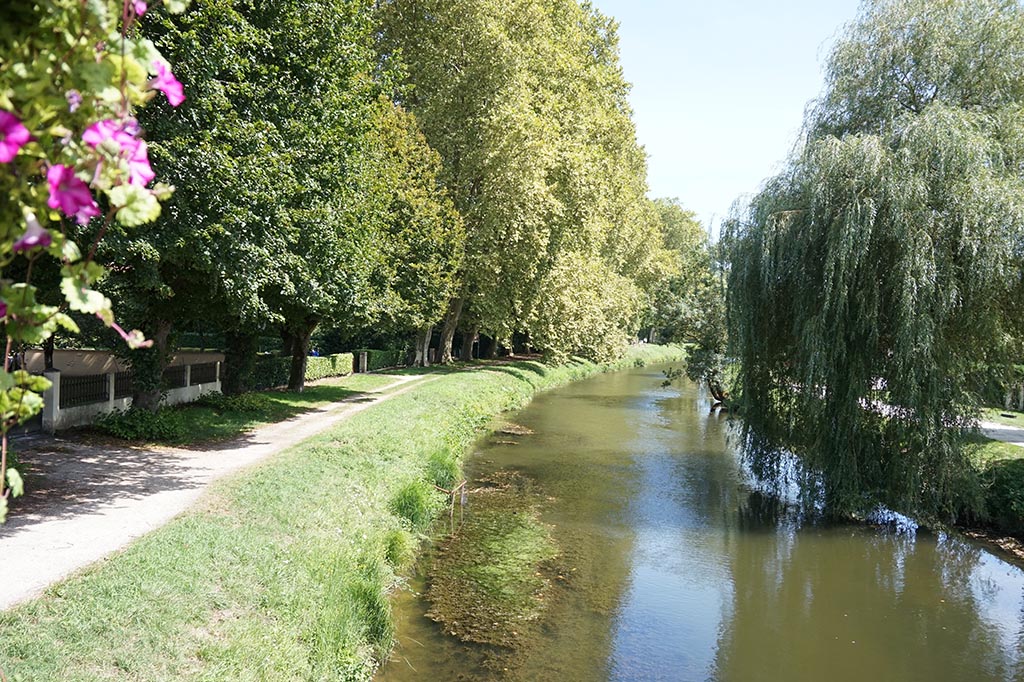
x: 282, y: 572
x: 202, y: 423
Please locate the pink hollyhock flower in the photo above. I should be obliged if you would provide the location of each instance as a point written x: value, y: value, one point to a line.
x: 35, y: 235
x: 13, y: 136
x: 70, y: 195
x: 3, y: 308
x: 140, y: 7
x: 132, y: 149
x: 166, y: 83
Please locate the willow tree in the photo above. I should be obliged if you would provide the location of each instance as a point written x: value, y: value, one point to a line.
x: 872, y: 282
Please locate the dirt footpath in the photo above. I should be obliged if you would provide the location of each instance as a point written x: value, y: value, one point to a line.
x: 88, y: 500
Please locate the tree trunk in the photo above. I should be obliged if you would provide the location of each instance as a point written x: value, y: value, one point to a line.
x: 488, y: 349
x: 423, y: 347
x: 239, y: 362
x: 288, y: 341
x: 451, y: 323
x: 300, y: 355
x: 148, y: 367
x: 468, y: 339
x: 48, y: 345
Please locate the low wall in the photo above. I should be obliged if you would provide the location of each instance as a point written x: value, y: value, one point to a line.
x: 100, y: 399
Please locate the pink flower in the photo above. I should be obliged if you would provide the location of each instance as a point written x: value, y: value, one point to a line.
x: 133, y: 150
x: 13, y: 136
x: 140, y: 7
x: 70, y: 195
x: 166, y: 83
x: 35, y: 235
x: 135, y: 338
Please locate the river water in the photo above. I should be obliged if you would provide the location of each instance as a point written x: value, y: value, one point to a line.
x: 672, y: 567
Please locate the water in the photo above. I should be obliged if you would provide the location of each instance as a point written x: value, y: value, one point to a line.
x: 673, y: 568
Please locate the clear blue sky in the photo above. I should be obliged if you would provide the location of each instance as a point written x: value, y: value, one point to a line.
x: 720, y: 86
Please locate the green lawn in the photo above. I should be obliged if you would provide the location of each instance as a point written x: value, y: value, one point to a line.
x: 1005, y: 417
x: 283, y: 572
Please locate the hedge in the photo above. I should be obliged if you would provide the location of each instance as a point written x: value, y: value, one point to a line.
x: 273, y: 371
x: 379, y: 359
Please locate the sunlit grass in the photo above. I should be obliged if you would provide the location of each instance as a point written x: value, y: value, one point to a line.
x: 281, y: 573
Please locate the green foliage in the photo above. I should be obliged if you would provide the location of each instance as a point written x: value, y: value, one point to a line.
x: 272, y: 371
x: 526, y: 104
x: 242, y: 402
x: 399, y: 548
x: 415, y: 502
x: 165, y: 424
x: 875, y: 279
x: 381, y: 359
x: 443, y: 469
x: 1004, y: 500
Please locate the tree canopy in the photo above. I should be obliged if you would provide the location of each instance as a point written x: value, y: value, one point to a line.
x: 876, y: 279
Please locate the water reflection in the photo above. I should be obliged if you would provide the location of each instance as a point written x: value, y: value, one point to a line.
x: 679, y: 569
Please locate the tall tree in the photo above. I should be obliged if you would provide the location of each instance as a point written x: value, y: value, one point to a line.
x: 874, y: 279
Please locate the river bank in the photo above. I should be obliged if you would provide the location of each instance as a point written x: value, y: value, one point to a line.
x: 281, y: 572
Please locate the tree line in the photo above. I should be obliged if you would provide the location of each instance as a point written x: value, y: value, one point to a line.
x: 405, y: 168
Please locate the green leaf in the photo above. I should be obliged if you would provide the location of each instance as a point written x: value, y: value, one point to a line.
x: 176, y: 6
x: 136, y: 205
x: 3, y: 509
x: 85, y: 300
x: 15, y: 483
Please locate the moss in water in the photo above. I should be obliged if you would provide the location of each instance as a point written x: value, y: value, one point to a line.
x: 488, y: 580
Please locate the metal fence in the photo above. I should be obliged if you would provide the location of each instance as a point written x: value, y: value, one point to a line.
x: 174, y: 377
x: 83, y: 390
x: 124, y: 384
x: 205, y: 373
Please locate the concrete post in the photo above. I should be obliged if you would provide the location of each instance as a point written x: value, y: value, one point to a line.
x: 362, y: 363
x: 51, y: 402
x: 188, y: 375
x: 111, y: 390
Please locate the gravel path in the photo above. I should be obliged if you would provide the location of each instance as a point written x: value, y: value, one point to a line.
x: 1008, y: 434
x: 89, y: 500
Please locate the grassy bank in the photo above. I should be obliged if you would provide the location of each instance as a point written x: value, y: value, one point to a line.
x: 283, y: 572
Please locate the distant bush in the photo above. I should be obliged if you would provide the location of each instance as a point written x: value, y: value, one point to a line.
x: 243, y: 402
x: 1004, y: 501
x: 379, y: 359
x: 163, y: 425
x: 273, y: 370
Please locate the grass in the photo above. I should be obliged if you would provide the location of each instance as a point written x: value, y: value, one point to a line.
x: 201, y: 423
x: 1004, y: 417
x: 283, y: 572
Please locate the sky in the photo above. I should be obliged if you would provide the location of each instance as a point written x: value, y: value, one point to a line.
x: 720, y: 88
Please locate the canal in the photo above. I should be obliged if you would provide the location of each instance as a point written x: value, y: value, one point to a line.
x: 666, y: 564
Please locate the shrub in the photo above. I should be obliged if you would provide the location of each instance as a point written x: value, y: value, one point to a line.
x: 243, y: 402
x: 164, y: 424
x: 443, y: 469
x: 399, y: 547
x: 1004, y: 502
x: 414, y: 503
x: 379, y: 359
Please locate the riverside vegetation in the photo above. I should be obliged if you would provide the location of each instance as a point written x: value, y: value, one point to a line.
x: 282, y: 572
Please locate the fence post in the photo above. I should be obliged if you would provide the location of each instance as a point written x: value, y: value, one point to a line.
x: 188, y: 375
x: 51, y: 401
x: 362, y: 363
x: 111, y: 391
